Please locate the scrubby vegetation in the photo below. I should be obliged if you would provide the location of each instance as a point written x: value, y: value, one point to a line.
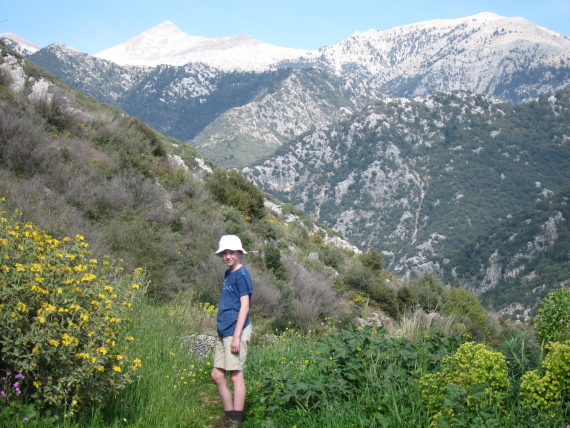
x: 97, y: 330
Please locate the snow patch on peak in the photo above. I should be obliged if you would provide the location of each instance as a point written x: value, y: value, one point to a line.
x: 167, y: 44
x: 19, y: 44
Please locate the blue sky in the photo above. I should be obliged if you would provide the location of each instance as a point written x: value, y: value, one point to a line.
x: 93, y: 26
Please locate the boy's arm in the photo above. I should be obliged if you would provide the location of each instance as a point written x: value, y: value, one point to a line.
x: 242, y: 315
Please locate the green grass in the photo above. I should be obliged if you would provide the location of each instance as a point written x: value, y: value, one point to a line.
x: 174, y: 388
x: 356, y: 378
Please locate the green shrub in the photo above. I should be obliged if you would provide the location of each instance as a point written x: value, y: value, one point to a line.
x: 429, y: 290
x: 548, y: 391
x: 473, y: 382
x: 552, y: 321
x: 358, y: 277
x: 272, y: 260
x: 406, y: 299
x: 373, y: 260
x: 466, y: 305
x: 62, y: 318
x: 386, y: 298
x: 232, y: 188
x: 280, y: 325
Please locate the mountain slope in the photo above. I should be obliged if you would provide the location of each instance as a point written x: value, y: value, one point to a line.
x: 103, y: 80
x: 520, y: 260
x: 233, y: 118
x: 485, y: 53
x: 417, y: 179
x: 18, y: 44
x: 301, y: 100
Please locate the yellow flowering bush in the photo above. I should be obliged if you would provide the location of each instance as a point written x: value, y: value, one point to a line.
x: 209, y: 309
x: 63, y: 316
x: 473, y: 377
x: 547, y: 392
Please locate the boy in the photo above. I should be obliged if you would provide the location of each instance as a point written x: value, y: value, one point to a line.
x: 234, y: 331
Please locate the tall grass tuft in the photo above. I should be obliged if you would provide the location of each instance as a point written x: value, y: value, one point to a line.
x: 417, y: 324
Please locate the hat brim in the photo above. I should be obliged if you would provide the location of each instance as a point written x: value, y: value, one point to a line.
x: 231, y: 249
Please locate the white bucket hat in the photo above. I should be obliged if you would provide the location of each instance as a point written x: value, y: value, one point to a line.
x: 230, y: 242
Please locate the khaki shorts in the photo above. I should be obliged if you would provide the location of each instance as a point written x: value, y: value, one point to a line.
x: 223, y: 356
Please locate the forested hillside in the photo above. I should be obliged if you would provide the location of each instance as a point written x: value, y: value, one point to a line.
x: 520, y: 260
x: 418, y: 179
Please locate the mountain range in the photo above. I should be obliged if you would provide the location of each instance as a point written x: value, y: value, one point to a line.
x: 414, y: 140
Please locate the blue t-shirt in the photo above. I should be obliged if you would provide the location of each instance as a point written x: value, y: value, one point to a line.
x: 236, y: 285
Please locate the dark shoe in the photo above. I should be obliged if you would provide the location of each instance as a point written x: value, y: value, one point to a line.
x: 234, y: 424
x: 224, y: 423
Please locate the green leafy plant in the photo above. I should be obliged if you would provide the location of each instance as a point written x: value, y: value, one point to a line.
x: 552, y: 321
x: 62, y: 317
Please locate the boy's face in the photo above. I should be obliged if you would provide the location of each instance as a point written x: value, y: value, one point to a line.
x: 231, y: 258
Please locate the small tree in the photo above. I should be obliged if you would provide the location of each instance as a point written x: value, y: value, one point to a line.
x: 272, y: 260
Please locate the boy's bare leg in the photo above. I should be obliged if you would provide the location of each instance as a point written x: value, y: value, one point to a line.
x: 238, y: 380
x: 219, y: 378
